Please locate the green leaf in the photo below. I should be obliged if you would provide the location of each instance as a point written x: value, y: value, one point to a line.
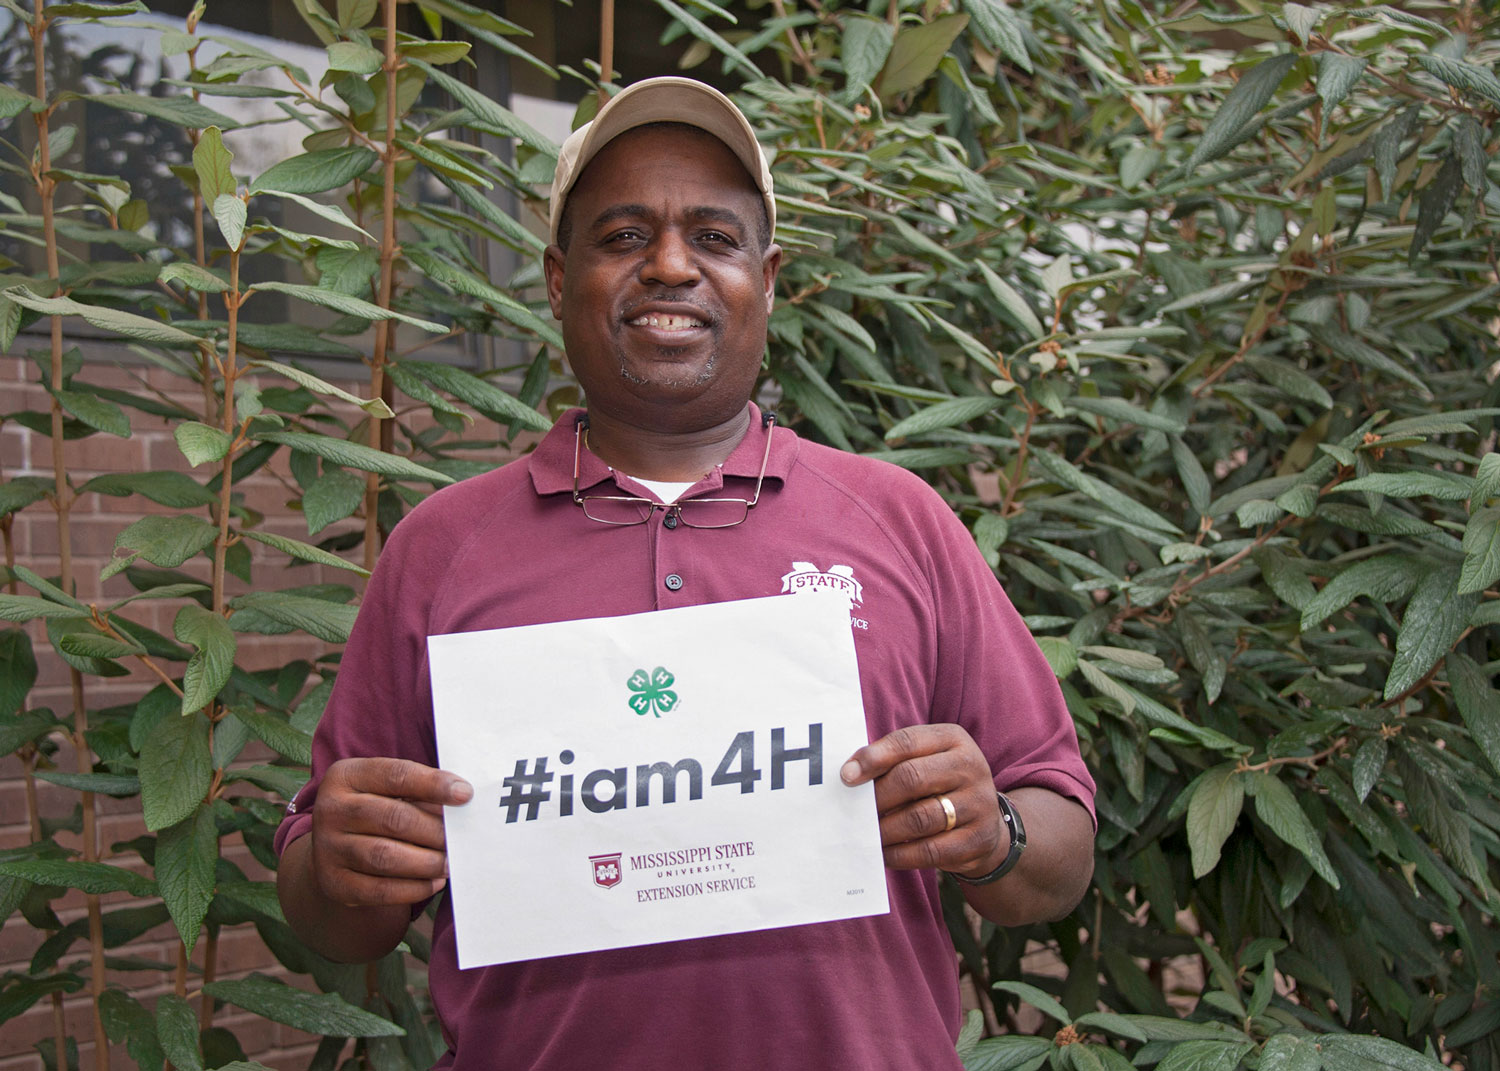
x: 167, y: 541
x: 183, y: 111
x: 1435, y: 618
x: 352, y: 56
x: 277, y: 734
x: 316, y: 1013
x: 1277, y: 807
x: 947, y: 414
x: 177, y: 1032
x: 1478, y: 703
x: 93, y: 878
x: 1337, y: 73
x: 486, y: 111
x: 349, y: 306
x: 1213, y: 811
x: 105, y: 784
x: 1065, y: 473
x: 1369, y: 762
x: 94, y: 645
x: 865, y: 44
x: 465, y: 282
x: 1486, y: 479
x: 211, y: 162
x: 18, y: 673
x: 201, y: 443
x: 332, y: 213
x: 374, y: 406
x: 213, y: 661
x: 354, y: 455
x: 1137, y: 165
x: 1360, y: 352
x: 94, y: 411
x: 13, y: 102
x: 1385, y: 579
x: 331, y: 497
x: 304, y: 551
x: 1469, y: 77
x: 1038, y: 999
x: 329, y: 621
x: 1481, y: 566
x: 172, y: 489
x: 1012, y: 302
x: 1060, y: 653
x: 481, y: 394
x: 916, y: 53
x: 702, y: 32
x: 230, y: 213
x: 114, y: 321
x: 20, y: 608
x: 1205, y: 1056
x: 175, y: 770
x: 186, y: 854
x: 192, y: 276
x: 1284, y: 1052
x: 999, y: 28
x: 96, y: 10
x: 316, y: 172
x: 1240, y: 107
x: 1355, y: 1052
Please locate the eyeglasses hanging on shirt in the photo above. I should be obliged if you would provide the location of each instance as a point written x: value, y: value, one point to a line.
x: 625, y: 510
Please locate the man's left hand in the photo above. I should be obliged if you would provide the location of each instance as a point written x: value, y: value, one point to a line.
x: 914, y: 768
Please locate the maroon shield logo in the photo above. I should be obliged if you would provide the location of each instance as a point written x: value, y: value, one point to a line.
x: 607, y: 870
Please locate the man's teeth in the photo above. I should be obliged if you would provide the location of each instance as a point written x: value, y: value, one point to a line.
x: 668, y: 323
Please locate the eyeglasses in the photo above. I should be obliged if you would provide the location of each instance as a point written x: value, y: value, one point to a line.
x: 625, y: 510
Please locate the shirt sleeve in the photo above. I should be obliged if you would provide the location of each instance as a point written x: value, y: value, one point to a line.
x: 991, y: 677
x: 381, y: 704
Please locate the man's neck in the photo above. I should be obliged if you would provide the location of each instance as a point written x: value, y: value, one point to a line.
x: 653, y: 454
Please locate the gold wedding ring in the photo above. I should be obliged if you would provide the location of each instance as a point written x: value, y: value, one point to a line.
x: 948, y: 812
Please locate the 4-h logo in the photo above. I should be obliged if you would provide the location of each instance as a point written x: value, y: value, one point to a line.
x: 606, y: 870
x: 653, y: 691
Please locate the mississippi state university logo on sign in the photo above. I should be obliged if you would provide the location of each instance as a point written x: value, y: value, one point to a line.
x: 807, y: 578
x: 606, y: 870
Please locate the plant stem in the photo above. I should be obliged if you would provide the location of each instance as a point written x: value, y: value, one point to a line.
x: 381, y: 437
x: 47, y: 189
x: 606, y: 46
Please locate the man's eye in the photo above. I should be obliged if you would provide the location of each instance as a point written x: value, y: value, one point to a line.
x: 716, y: 237
x: 625, y: 234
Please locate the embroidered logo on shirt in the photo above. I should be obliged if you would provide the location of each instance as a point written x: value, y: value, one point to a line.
x: 606, y: 870
x: 838, y: 580
x: 653, y: 691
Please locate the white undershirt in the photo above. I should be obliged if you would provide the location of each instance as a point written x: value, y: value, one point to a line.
x: 668, y: 491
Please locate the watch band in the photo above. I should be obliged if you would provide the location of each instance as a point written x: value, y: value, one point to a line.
x: 1012, y: 819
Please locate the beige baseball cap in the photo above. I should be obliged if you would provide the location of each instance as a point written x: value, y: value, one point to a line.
x: 662, y: 100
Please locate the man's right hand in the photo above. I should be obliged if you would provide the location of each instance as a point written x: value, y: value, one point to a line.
x: 377, y: 832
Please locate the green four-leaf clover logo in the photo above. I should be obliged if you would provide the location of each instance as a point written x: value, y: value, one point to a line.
x: 653, y: 691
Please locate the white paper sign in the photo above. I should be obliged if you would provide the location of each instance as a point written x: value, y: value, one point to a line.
x: 654, y: 777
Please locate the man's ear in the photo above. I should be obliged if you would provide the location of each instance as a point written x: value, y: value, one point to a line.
x: 554, y: 260
x: 770, y: 265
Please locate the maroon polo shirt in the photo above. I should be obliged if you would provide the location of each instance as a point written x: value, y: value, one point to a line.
x: 937, y: 640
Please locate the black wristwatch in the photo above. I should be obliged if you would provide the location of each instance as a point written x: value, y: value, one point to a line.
x: 1012, y: 819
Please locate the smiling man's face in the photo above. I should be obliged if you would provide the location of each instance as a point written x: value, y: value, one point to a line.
x: 664, y: 288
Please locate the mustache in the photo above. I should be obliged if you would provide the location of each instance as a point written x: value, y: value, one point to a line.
x: 634, y: 308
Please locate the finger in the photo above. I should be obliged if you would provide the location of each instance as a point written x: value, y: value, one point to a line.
x: 403, y: 779
x: 876, y: 759
x: 918, y: 819
x: 362, y: 890
x: 379, y: 816
x: 380, y: 857
x: 925, y: 777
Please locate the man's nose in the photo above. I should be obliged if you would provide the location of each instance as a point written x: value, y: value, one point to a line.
x: 670, y: 261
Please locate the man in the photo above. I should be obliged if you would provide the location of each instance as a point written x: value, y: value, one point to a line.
x: 662, y: 272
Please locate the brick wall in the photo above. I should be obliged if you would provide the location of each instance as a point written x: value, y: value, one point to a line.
x: 96, y: 520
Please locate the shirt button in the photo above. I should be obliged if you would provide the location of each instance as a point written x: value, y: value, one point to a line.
x: 674, y: 582
x: 671, y: 520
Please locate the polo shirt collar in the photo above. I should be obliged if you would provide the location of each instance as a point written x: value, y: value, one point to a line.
x: 551, y: 463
